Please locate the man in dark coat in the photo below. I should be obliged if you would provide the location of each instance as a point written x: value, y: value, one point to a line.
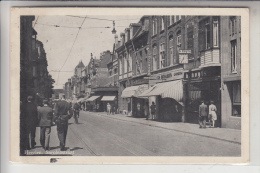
x: 30, y: 115
x: 76, y: 109
x: 203, y: 113
x: 62, y: 113
x: 45, y: 116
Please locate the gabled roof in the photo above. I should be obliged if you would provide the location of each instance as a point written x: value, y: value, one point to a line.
x: 80, y: 65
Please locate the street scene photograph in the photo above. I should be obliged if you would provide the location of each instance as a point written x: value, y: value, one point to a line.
x: 130, y: 85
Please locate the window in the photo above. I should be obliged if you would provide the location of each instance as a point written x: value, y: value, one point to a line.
x: 190, y: 40
x: 207, y: 34
x: 130, y: 61
x: 141, y: 66
x: 171, y: 60
x: 234, y: 56
x: 121, y: 65
x: 236, y: 106
x: 170, y: 22
x: 162, y: 23
x: 177, y: 18
x: 125, y: 63
x: 215, y: 32
x: 162, y: 55
x: 232, y: 25
x: 34, y: 71
x: 154, y: 26
x: 178, y: 40
x: 115, y: 71
x: 154, y: 57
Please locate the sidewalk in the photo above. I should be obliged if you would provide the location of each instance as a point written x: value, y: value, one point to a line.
x: 223, y: 134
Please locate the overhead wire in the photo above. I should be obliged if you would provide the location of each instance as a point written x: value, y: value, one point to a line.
x: 71, y: 48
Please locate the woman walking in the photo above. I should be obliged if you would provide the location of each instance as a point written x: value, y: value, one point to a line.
x: 212, y: 113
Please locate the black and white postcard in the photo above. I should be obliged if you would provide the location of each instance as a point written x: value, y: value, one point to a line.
x: 129, y: 85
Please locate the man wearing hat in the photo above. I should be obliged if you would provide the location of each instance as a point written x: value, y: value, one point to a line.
x: 62, y: 113
x: 30, y: 119
x: 45, y: 116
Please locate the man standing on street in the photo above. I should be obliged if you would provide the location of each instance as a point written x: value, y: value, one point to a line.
x: 203, y: 112
x: 62, y: 113
x: 30, y: 112
x: 153, y: 110
x: 76, y: 109
x: 45, y: 116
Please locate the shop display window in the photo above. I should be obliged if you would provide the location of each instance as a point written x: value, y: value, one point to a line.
x: 236, y: 105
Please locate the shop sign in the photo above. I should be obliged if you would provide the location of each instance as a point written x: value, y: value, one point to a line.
x: 140, y: 81
x: 170, y: 76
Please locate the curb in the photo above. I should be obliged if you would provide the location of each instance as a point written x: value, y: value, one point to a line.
x: 225, y: 140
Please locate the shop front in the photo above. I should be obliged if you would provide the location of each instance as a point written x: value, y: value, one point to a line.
x: 112, y: 101
x: 93, y: 103
x: 137, y: 106
x: 202, y: 84
x: 168, y: 98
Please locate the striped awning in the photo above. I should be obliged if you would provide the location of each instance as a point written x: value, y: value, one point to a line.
x: 90, y: 99
x: 134, y: 91
x: 173, y: 89
x: 108, y: 98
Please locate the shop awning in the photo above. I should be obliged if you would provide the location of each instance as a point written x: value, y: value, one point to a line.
x: 92, y: 98
x: 108, y: 98
x: 134, y: 91
x: 173, y: 89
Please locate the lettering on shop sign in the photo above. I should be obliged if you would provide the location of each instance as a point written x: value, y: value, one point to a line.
x: 140, y: 81
x: 170, y: 75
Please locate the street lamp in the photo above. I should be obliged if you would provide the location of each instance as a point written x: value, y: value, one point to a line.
x: 114, y: 30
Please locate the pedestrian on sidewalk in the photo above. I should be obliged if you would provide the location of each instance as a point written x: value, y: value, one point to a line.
x: 203, y: 111
x: 146, y: 110
x: 108, y: 109
x: 212, y: 113
x: 31, y: 120
x: 76, y: 109
x: 62, y: 113
x: 45, y: 117
x: 153, y: 110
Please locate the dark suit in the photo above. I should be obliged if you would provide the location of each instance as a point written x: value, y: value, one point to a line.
x: 45, y: 116
x: 30, y: 119
x: 203, y: 113
x: 76, y: 108
x: 62, y: 113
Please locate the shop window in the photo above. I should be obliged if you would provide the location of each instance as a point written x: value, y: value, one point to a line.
x: 162, y: 55
x: 178, y: 40
x: 171, y: 59
x: 236, y: 109
x: 154, y: 57
x: 234, y: 56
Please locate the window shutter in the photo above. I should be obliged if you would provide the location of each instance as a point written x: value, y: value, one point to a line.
x: 202, y: 38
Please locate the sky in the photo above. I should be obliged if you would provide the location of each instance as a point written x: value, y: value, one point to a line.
x: 65, y: 46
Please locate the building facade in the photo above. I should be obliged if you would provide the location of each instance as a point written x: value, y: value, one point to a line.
x: 231, y: 71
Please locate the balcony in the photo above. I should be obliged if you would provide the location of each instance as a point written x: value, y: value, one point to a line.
x: 210, y: 58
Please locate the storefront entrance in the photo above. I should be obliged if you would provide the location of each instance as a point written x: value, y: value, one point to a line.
x: 170, y: 110
x: 202, y: 90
